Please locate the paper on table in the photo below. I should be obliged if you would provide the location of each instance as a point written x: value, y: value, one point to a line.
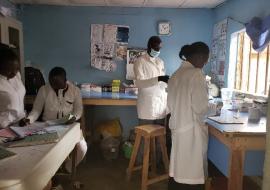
x: 7, y: 133
x: 46, y: 138
x: 61, y: 121
x: 28, y: 130
x: 223, y: 120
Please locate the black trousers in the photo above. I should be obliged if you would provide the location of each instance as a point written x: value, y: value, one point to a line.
x: 173, y: 185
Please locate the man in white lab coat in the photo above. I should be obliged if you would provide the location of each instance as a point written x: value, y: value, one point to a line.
x: 188, y: 105
x: 12, y: 90
x: 151, y: 80
x: 58, y: 99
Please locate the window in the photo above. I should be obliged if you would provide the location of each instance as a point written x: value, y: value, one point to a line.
x: 249, y: 71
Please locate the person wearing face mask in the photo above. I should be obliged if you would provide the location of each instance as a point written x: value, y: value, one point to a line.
x: 151, y: 80
x: 58, y: 99
x: 12, y: 90
x: 188, y: 105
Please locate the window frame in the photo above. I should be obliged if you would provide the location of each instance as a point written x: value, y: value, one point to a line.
x: 235, y: 67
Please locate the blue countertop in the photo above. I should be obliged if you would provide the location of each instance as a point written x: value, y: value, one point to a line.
x: 108, y: 95
x: 245, y: 128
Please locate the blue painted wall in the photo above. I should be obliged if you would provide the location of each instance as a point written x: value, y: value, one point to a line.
x: 60, y: 36
x: 219, y: 154
x: 55, y: 35
x: 243, y: 11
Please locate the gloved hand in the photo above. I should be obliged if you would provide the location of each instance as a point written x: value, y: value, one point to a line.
x: 71, y: 120
x: 23, y: 122
x: 164, y: 78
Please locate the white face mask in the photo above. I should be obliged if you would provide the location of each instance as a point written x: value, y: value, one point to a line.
x: 153, y: 53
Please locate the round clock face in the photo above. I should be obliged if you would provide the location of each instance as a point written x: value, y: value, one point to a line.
x: 164, y: 28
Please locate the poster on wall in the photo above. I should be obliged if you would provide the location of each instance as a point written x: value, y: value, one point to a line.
x: 218, y: 52
x: 108, y: 45
x: 132, y: 55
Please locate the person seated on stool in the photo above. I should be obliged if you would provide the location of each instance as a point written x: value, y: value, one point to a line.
x: 58, y: 99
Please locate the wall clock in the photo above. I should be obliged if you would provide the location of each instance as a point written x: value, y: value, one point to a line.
x: 164, y: 28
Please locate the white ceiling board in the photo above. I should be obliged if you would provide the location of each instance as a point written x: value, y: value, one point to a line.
x: 126, y: 3
x: 163, y: 3
x: 63, y: 2
x: 129, y: 3
x: 88, y: 2
x: 201, y: 3
x: 42, y: 2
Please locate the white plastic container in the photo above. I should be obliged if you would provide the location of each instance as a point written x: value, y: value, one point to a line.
x: 226, y: 95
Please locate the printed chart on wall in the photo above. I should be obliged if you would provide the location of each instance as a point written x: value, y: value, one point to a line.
x: 132, y: 55
x: 218, y: 52
x: 108, y: 46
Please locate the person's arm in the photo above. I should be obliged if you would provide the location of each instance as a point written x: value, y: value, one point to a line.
x: 38, y: 105
x: 78, y: 107
x: 199, y: 96
x: 7, y: 116
x: 140, y: 80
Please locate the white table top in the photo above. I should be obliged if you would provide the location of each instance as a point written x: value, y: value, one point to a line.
x: 34, y: 166
x: 247, y: 128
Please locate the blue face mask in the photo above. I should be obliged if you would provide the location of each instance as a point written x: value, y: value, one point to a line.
x: 153, y: 53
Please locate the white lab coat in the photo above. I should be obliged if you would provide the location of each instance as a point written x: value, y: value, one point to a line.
x: 12, y: 94
x: 152, y: 95
x: 188, y: 104
x: 55, y: 107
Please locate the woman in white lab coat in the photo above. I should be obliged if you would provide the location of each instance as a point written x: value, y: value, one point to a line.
x: 188, y: 105
x: 12, y: 90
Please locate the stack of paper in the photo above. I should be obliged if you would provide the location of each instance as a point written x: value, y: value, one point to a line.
x: 7, y: 133
x: 28, y: 130
x: 36, y: 140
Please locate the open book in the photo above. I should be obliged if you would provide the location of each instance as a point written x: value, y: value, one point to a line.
x: 29, y: 130
x: 32, y: 140
x: 60, y: 121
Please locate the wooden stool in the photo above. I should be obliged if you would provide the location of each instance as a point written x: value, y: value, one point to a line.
x: 149, y: 133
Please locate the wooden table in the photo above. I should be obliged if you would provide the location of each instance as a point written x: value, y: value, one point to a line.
x: 34, y: 166
x: 238, y: 138
x: 98, y: 99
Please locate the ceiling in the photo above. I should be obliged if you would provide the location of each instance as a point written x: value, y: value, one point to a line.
x: 129, y: 3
